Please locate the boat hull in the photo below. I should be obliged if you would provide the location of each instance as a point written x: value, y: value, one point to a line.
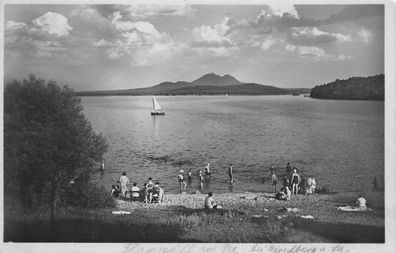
x: 157, y: 113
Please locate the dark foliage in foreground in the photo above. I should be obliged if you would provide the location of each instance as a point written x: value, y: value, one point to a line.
x: 49, y: 146
x: 354, y: 88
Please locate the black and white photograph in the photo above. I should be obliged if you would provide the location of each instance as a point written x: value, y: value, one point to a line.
x: 264, y: 125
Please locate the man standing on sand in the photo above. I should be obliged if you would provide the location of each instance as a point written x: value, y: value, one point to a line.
x: 295, y: 182
x: 124, y: 182
x: 230, y: 174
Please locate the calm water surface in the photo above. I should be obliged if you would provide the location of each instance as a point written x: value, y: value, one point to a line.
x: 339, y: 142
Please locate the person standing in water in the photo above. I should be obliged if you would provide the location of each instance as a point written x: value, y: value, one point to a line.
x: 201, y: 179
x: 101, y: 167
x: 181, y: 179
x: 274, y: 179
x: 230, y: 174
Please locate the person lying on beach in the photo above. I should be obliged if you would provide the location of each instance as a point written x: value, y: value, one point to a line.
x: 209, y: 202
x: 360, y: 205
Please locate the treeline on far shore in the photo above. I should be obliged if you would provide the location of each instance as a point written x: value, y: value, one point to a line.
x: 354, y: 88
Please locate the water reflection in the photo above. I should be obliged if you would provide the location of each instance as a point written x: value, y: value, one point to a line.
x: 230, y: 188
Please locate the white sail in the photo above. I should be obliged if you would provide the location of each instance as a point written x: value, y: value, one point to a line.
x: 156, y: 106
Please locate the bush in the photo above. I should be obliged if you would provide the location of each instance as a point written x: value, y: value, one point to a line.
x: 88, y: 196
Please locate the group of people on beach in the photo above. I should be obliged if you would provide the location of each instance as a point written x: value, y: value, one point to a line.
x: 149, y: 193
x: 292, y: 183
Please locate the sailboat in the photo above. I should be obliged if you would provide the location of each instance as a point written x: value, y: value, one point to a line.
x: 156, y: 109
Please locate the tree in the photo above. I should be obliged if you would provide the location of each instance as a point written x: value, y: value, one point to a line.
x: 48, y: 142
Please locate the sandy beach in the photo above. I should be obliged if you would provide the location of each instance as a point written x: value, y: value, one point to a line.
x: 320, y: 206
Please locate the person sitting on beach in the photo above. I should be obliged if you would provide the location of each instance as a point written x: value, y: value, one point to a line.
x: 115, y: 190
x: 308, y: 186
x: 361, y: 203
x: 313, y: 185
x: 281, y: 195
x: 124, y: 181
x: 296, y: 180
x: 156, y: 194
x: 209, y: 202
x: 150, y: 183
x: 135, y: 191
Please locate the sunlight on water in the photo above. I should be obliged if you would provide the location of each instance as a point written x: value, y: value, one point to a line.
x: 341, y: 143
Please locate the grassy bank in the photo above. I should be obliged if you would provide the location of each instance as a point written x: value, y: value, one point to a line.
x: 245, y: 217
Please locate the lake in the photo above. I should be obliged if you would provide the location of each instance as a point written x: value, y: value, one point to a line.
x: 341, y: 143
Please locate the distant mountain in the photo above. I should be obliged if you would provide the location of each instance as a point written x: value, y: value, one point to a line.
x: 212, y: 79
x: 354, y: 88
x: 209, y: 84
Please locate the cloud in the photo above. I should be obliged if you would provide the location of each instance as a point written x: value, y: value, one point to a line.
x: 316, y: 53
x: 53, y: 23
x: 366, y: 35
x: 311, y: 51
x: 139, y: 42
x: 142, y: 11
x: 48, y: 48
x: 12, y: 25
x: 216, y: 40
x: 354, y: 12
x: 314, y: 36
x: 211, y: 36
x: 91, y: 17
x: 278, y: 10
x: 268, y: 43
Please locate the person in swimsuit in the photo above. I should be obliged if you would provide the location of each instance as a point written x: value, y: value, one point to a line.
x: 230, y: 174
x: 295, y: 182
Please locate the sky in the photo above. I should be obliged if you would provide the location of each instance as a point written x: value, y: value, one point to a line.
x: 105, y: 47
